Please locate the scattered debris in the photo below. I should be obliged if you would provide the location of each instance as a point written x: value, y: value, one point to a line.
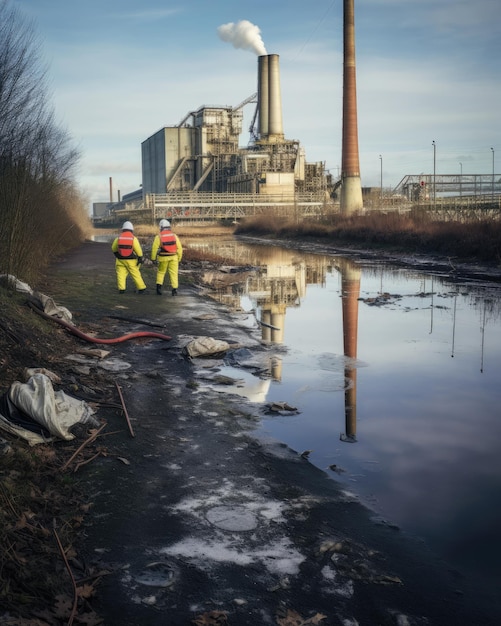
x: 94, y: 434
x: 94, y: 352
x: 31, y: 371
x: 381, y: 299
x: 157, y: 574
x: 135, y: 320
x: 205, y: 346
x: 347, y: 438
x: 125, y: 409
x: 281, y: 408
x: 293, y: 618
x: 356, y: 561
x: 336, y: 468
x: 37, y: 414
x: 211, y: 618
x: 114, y: 365
x: 220, y: 379
x: 205, y: 316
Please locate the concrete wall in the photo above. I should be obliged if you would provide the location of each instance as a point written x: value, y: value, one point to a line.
x: 161, y: 154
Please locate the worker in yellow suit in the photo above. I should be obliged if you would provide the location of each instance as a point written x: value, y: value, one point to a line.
x: 129, y: 256
x: 166, y: 253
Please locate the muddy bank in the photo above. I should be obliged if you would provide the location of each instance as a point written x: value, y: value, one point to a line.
x: 195, y: 520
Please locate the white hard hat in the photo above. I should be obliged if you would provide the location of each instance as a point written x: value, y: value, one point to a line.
x: 127, y: 226
x: 164, y: 224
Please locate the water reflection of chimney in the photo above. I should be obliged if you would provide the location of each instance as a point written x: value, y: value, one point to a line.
x: 272, y: 325
x: 350, y: 292
x: 272, y: 331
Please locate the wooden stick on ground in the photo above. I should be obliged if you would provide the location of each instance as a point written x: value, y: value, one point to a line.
x: 125, y: 409
x: 89, y: 440
x: 68, y: 568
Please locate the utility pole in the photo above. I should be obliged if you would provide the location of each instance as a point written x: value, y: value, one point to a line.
x: 434, y: 172
x: 381, y: 178
x: 492, y: 174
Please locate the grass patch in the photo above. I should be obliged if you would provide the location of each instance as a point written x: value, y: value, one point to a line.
x: 479, y: 240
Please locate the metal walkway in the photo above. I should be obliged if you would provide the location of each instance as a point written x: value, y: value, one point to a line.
x: 458, y: 184
x: 195, y: 206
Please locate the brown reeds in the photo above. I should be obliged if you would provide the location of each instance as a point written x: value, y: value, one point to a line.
x: 478, y: 240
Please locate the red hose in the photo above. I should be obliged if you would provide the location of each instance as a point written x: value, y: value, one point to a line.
x: 72, y: 329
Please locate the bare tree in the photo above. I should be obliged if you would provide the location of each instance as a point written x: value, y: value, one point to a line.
x: 37, y: 157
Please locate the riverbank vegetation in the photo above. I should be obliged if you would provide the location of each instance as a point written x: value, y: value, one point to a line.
x: 42, y: 212
x: 414, y: 233
x: 41, y: 504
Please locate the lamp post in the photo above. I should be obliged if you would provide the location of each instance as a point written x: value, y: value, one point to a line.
x: 461, y: 180
x: 492, y: 174
x: 434, y: 172
x: 381, y: 178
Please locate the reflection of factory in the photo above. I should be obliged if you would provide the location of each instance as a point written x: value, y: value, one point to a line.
x: 278, y: 283
x: 274, y: 288
x: 202, y: 153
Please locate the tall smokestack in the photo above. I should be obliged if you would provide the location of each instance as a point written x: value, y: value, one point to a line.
x: 263, y: 95
x: 351, y: 188
x: 275, y: 102
x: 111, y: 189
x: 270, y: 99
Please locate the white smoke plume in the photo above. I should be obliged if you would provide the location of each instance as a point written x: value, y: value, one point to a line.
x: 243, y: 34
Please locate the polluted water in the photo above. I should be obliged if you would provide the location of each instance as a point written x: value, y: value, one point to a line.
x: 393, y: 375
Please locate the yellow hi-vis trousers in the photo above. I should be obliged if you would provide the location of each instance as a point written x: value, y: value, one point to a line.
x: 126, y: 267
x: 168, y: 264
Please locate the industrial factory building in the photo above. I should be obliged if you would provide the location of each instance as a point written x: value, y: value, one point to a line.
x: 202, y: 153
x: 197, y: 167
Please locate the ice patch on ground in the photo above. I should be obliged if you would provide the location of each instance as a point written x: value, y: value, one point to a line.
x: 279, y: 557
x: 345, y: 590
x: 266, y: 510
x: 249, y: 532
x: 232, y: 518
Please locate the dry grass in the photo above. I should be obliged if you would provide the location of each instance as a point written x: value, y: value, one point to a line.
x: 183, y: 230
x: 37, y: 498
x: 145, y: 234
x: 479, y: 240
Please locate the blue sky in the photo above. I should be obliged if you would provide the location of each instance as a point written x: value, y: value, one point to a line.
x: 427, y: 70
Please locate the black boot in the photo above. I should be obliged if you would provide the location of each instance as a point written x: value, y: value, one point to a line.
x: 174, y: 292
x: 159, y: 290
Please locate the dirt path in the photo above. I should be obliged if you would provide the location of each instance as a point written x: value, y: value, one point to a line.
x: 196, y: 521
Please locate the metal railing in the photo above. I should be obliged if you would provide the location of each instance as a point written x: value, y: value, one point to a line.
x: 207, y: 206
